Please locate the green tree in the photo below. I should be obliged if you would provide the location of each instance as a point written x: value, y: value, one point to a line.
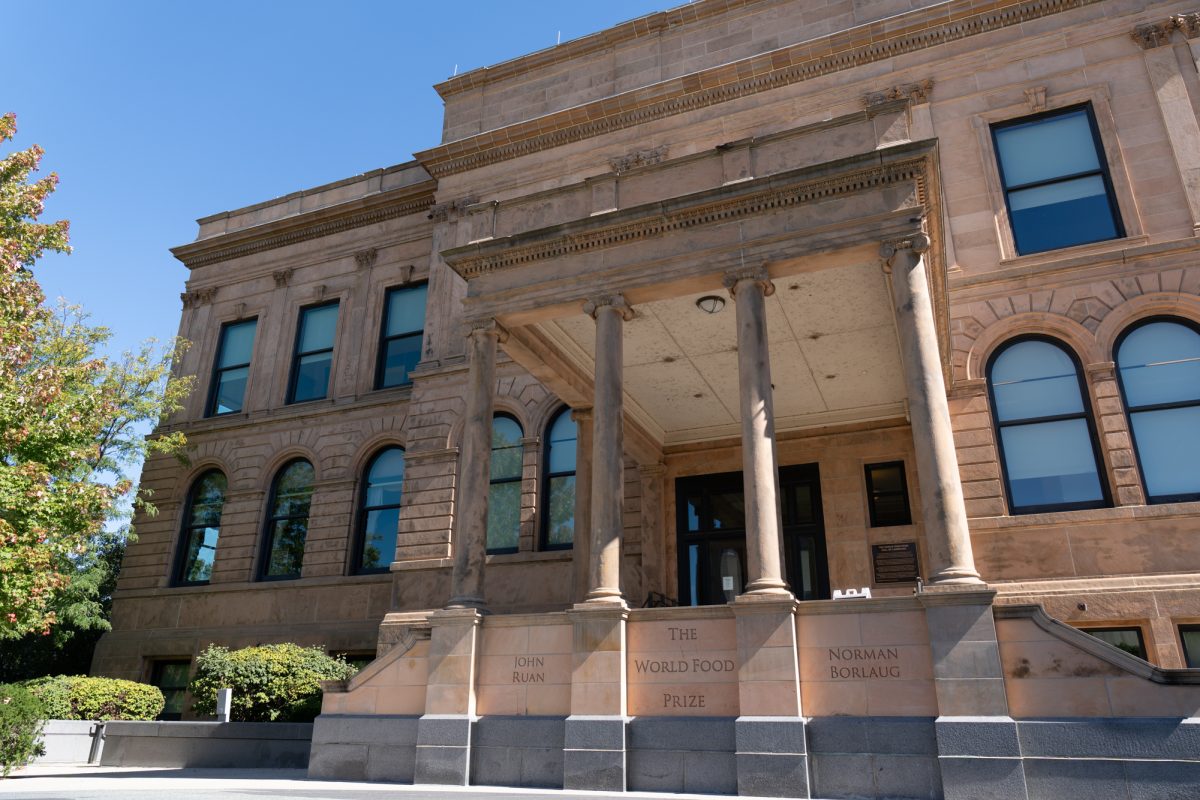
x: 71, y: 422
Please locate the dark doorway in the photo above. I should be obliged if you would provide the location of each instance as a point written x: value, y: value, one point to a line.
x: 711, y: 526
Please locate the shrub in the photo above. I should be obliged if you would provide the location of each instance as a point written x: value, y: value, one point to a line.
x: 81, y: 697
x: 271, y: 683
x: 21, y: 719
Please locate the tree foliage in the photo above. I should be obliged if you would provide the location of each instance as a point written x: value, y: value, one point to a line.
x: 22, y: 717
x: 81, y: 697
x: 271, y: 683
x: 69, y: 418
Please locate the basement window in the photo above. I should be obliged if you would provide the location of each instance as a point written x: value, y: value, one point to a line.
x: 1128, y: 639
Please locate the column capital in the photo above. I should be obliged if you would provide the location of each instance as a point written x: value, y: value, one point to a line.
x: 757, y: 274
x: 1155, y: 34
x: 583, y: 414
x: 1188, y: 23
x: 917, y: 243
x: 486, y: 326
x: 615, y: 301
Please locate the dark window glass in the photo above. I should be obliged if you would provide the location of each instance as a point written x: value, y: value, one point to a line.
x: 887, y: 494
x: 201, y: 529
x: 558, y: 516
x: 1189, y: 636
x: 403, y: 327
x: 232, y: 367
x: 287, y: 526
x: 314, y: 353
x: 1056, y: 182
x: 1127, y: 639
x: 379, y: 517
x: 172, y: 678
x: 1159, y: 364
x: 504, y: 494
x: 1047, y: 444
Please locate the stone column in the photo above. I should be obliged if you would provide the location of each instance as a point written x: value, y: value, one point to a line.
x: 760, y: 472
x: 470, y: 541
x: 608, y: 438
x: 582, y: 546
x: 943, y: 510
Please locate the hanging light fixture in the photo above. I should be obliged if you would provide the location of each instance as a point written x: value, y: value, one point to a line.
x: 710, y: 304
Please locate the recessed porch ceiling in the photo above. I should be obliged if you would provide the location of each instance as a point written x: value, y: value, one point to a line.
x: 834, y: 355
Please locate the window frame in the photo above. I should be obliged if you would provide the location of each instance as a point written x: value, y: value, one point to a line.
x: 1087, y: 414
x: 186, y: 529
x: 156, y: 668
x: 1141, y: 636
x: 384, y: 339
x: 1129, y: 412
x: 544, y: 486
x: 268, y: 532
x: 1105, y: 172
x: 871, y: 512
x: 297, y: 355
x: 1188, y: 628
x: 364, y: 512
x: 210, y: 406
x: 501, y: 481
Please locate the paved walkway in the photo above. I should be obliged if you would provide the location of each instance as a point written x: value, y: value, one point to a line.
x: 64, y: 782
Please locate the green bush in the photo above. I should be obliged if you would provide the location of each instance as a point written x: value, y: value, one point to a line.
x: 81, y: 697
x: 271, y: 683
x: 21, y: 718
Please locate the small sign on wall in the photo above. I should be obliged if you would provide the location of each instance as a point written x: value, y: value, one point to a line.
x: 895, y: 562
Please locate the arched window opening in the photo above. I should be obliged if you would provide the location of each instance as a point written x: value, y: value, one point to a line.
x: 558, y: 488
x: 379, y: 514
x: 201, y: 529
x: 287, y: 524
x: 504, y: 493
x: 1159, y: 365
x: 1044, y: 429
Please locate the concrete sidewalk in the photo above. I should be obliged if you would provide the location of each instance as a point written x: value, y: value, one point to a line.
x: 58, y: 782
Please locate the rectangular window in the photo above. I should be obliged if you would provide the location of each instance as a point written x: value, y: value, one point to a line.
x: 313, y: 361
x: 1189, y: 635
x: 231, y: 368
x: 172, y: 678
x: 400, y: 339
x: 1127, y: 639
x: 887, y: 494
x: 1056, y: 181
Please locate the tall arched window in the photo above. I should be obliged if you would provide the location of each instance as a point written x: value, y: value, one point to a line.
x: 558, y: 488
x: 1159, y: 366
x: 201, y: 529
x: 504, y: 494
x: 1044, y: 427
x: 379, y: 515
x: 287, y: 524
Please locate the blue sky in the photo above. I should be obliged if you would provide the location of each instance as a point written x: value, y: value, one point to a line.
x: 156, y: 113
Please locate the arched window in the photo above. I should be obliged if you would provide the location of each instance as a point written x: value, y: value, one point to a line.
x: 558, y: 488
x: 1043, y: 424
x: 201, y: 529
x: 379, y: 516
x: 504, y: 494
x: 1159, y: 366
x: 287, y: 525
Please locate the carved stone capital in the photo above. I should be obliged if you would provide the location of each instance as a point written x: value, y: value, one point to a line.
x: 198, y: 297
x: 1036, y: 98
x: 282, y: 277
x: 615, y: 301
x: 757, y: 275
x: 486, y: 326
x: 1154, y: 34
x: 451, y: 209
x: 1188, y: 23
x: 366, y: 258
x: 1101, y: 370
x: 638, y: 158
x: 911, y: 93
x: 917, y: 243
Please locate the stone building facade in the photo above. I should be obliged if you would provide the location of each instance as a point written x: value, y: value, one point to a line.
x: 686, y: 328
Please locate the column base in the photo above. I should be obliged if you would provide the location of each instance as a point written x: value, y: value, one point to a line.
x: 443, y: 750
x: 594, y: 753
x: 463, y: 603
x: 956, y: 577
x: 772, y: 757
x: 766, y: 594
x: 603, y: 597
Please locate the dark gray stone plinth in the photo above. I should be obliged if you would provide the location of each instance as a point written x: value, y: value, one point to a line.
x: 772, y: 756
x: 980, y: 757
x: 682, y: 754
x: 518, y: 751
x: 594, y: 753
x: 364, y: 748
x: 443, y: 753
x: 874, y: 757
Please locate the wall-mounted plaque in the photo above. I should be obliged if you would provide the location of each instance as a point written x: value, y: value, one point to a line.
x: 895, y: 562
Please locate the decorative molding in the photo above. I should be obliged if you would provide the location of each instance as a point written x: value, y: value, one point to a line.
x: 239, y: 310
x: 319, y: 291
x: 406, y: 274
x: 1101, y: 370
x: 639, y: 158
x: 486, y: 326
x: 282, y: 277
x: 917, y: 243
x: 443, y: 212
x: 910, y: 93
x: 1036, y: 98
x: 500, y: 254
x: 198, y: 297
x: 757, y: 274
x: 760, y: 73
x: 1154, y: 34
x: 1188, y: 23
x: 613, y: 301
x: 366, y: 258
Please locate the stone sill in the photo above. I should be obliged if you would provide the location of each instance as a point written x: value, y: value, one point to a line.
x: 1017, y: 591
x: 502, y: 559
x: 254, y: 586
x: 311, y: 408
x: 1060, y: 518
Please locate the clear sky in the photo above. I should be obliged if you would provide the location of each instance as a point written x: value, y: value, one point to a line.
x: 156, y: 113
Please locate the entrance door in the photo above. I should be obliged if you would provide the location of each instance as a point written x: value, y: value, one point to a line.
x: 712, y: 536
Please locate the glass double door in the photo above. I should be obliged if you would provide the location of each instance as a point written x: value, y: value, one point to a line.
x: 711, y: 529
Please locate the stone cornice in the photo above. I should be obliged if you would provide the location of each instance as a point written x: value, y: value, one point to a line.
x: 704, y: 208
x: 865, y: 44
x: 377, y: 208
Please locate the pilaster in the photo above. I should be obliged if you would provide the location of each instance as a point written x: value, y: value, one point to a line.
x: 594, y: 752
x: 444, y: 732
